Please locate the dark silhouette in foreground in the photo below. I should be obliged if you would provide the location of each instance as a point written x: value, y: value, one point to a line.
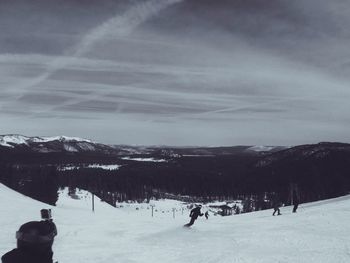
x: 34, y: 243
x: 195, y: 212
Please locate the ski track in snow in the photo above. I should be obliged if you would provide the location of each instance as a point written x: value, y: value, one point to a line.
x: 318, y: 233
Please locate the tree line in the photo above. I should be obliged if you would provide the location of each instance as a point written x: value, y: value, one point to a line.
x: 203, y: 178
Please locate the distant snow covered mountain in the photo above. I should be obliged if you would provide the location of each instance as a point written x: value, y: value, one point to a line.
x: 75, y: 145
x: 51, y: 144
x: 261, y: 148
x: 16, y: 139
x: 11, y: 140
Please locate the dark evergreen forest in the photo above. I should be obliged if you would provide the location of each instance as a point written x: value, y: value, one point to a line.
x: 319, y: 171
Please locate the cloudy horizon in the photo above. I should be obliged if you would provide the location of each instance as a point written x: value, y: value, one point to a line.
x: 172, y: 72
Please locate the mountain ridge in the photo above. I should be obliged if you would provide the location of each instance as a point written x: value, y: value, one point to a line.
x: 36, y: 142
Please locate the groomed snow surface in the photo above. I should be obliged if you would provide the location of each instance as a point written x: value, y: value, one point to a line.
x: 319, y: 232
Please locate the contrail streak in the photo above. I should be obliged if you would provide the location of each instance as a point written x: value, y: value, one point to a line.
x: 119, y: 26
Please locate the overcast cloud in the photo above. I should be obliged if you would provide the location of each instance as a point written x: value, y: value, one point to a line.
x: 191, y: 72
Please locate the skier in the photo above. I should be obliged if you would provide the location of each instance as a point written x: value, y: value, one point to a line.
x: 296, y: 203
x: 276, y: 205
x: 34, y: 243
x: 195, y: 212
x: 206, y: 215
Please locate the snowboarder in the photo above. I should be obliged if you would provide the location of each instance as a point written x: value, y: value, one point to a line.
x: 195, y: 212
x: 276, y: 205
x: 206, y: 215
x: 296, y: 203
x: 34, y: 243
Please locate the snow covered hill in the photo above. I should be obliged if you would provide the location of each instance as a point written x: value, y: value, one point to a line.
x: 318, y: 233
x: 15, y: 139
x: 22, y: 143
x: 262, y: 148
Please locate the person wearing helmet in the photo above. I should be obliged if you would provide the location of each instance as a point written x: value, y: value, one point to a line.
x: 195, y: 212
x: 34, y: 243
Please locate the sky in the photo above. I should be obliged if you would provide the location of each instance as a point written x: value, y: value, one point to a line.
x: 172, y: 72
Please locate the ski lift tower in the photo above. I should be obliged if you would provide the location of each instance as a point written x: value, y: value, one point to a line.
x: 152, y: 209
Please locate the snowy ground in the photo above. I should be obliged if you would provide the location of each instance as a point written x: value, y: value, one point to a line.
x: 319, y: 232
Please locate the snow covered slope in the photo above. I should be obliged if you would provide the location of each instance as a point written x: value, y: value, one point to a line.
x: 14, y: 139
x: 261, y: 148
x: 319, y: 232
x: 10, y: 140
x: 52, y: 144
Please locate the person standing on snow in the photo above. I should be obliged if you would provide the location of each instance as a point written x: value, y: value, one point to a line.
x: 276, y: 205
x: 296, y: 204
x: 206, y: 215
x: 195, y: 212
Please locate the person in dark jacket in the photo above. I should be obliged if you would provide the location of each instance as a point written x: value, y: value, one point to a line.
x: 276, y: 205
x: 195, y: 212
x: 206, y: 215
x: 34, y: 243
x: 296, y: 204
